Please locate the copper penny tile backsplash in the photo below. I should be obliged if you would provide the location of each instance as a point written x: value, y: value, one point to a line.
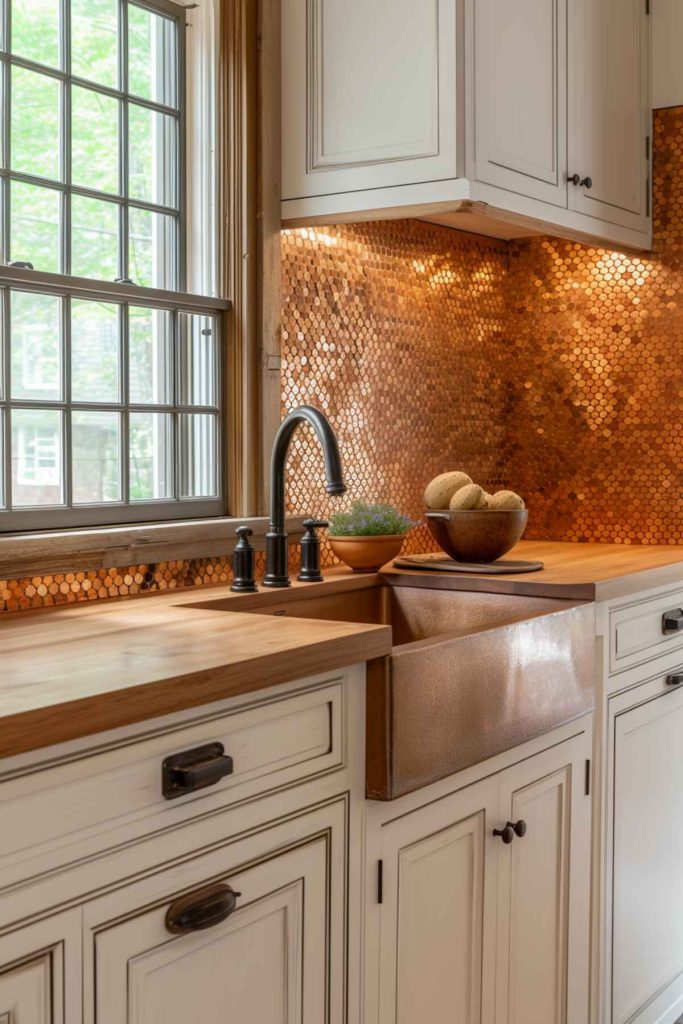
x: 547, y: 366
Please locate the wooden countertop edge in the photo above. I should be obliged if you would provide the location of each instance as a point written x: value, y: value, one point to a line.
x: 71, y: 720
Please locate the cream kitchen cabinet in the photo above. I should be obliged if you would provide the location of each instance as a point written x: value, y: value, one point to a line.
x: 253, y: 932
x: 609, y: 110
x: 378, y: 82
x: 520, y: 97
x: 506, y: 119
x: 644, y: 839
x: 40, y: 972
x: 638, y: 873
x: 481, y: 927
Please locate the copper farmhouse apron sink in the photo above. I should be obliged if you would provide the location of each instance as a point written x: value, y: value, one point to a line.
x: 470, y: 674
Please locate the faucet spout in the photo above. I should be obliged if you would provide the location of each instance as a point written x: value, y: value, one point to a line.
x: 276, y: 539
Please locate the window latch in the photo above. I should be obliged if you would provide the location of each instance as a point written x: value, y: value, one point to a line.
x: 123, y: 280
x: 21, y: 265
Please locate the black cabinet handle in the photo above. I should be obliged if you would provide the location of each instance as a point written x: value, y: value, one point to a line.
x: 674, y: 679
x: 579, y: 182
x: 201, y: 909
x: 672, y: 621
x: 194, y: 769
x: 511, y: 829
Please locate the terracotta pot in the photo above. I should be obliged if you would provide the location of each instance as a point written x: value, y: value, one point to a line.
x: 477, y: 536
x: 367, y: 554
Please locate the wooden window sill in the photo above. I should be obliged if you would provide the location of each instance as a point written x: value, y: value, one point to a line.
x: 30, y: 554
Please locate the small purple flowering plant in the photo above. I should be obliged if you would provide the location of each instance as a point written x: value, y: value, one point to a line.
x: 367, y: 520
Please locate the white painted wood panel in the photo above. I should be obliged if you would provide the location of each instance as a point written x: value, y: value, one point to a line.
x: 368, y: 94
x: 535, y: 878
x: 609, y: 109
x: 544, y: 890
x: 667, y: 44
x: 40, y: 972
x: 268, y: 963
x: 25, y: 993
x: 647, y: 871
x: 636, y: 634
x: 438, y: 912
x: 520, y: 101
x: 273, y: 743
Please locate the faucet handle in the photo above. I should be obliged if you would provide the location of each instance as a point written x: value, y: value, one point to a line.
x: 311, y: 525
x: 310, y: 551
x: 243, y: 581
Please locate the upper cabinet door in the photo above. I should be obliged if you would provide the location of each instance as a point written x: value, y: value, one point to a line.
x: 520, y: 96
x: 609, y: 109
x: 368, y: 94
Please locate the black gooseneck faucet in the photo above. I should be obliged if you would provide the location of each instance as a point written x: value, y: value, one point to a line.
x: 277, y: 574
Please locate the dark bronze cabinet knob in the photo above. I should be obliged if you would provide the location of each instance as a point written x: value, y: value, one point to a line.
x: 507, y: 834
x: 579, y: 182
x: 511, y: 829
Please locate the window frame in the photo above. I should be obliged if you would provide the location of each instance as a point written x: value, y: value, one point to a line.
x: 113, y: 515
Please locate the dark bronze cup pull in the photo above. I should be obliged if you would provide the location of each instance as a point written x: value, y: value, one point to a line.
x: 672, y: 621
x: 201, y: 909
x: 194, y: 769
x: 674, y: 679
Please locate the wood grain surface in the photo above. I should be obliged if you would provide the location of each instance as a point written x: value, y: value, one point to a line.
x: 74, y: 671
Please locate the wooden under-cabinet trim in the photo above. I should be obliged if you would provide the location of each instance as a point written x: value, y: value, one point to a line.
x: 268, y: 228
x: 30, y: 554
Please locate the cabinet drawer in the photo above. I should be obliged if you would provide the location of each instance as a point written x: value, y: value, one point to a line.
x: 637, y: 630
x: 40, y: 972
x: 79, y: 807
x: 167, y: 949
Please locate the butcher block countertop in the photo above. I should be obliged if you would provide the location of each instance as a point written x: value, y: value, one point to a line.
x: 589, y: 572
x: 70, y: 672
x: 77, y: 670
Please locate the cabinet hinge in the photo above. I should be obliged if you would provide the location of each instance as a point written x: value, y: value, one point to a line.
x: 647, y: 6
x: 587, y: 778
x: 647, y: 146
x: 380, y: 881
x: 647, y: 198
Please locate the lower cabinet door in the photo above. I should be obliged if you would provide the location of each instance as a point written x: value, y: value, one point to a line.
x: 268, y: 961
x: 647, y: 858
x: 544, y: 889
x: 40, y: 972
x: 26, y: 993
x: 438, y: 911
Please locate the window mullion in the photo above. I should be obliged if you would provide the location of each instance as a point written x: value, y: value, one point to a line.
x: 124, y: 333
x: 66, y: 391
x: 124, y: 247
x: 65, y: 226
x: 7, y: 432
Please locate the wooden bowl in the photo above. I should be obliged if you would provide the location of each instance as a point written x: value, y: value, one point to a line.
x: 481, y: 536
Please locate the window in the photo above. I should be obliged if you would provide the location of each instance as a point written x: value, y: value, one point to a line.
x: 110, y: 372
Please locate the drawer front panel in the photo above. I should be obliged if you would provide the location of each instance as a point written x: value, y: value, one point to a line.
x: 637, y: 630
x: 272, y: 744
